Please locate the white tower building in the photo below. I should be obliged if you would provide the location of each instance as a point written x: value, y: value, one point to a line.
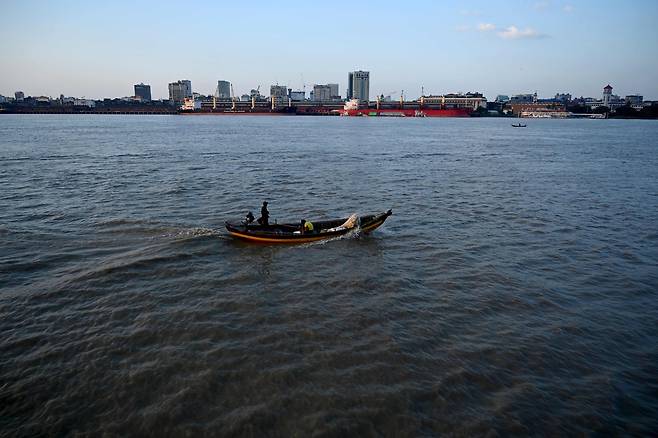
x: 607, y: 95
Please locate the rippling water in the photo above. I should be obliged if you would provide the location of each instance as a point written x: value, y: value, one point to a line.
x: 513, y: 291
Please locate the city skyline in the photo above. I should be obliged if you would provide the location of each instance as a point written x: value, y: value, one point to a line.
x: 550, y: 47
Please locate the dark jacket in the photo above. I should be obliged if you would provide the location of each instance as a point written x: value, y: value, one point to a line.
x: 265, y: 215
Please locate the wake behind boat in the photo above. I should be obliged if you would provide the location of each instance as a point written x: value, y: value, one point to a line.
x: 293, y: 233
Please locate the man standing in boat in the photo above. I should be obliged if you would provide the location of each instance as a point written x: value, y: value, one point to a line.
x: 264, y: 215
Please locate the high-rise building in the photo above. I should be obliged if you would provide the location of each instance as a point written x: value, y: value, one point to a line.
x: 223, y: 90
x: 325, y: 92
x: 279, y: 93
x: 321, y: 92
x: 358, y: 86
x: 350, y: 91
x: 334, y: 91
x: 178, y: 91
x: 143, y: 91
x: 19, y: 96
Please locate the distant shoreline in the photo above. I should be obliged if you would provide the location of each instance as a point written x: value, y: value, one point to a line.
x: 289, y: 114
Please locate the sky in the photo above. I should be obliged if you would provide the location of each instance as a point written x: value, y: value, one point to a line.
x: 100, y: 49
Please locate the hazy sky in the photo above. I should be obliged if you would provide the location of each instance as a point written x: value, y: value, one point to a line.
x: 98, y: 49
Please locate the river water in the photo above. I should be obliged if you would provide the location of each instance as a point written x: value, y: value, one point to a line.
x: 514, y: 291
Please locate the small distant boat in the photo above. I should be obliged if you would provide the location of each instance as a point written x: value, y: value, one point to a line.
x: 518, y: 125
x: 291, y: 232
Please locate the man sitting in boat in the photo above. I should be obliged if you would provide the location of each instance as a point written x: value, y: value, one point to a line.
x: 264, y: 218
x: 307, y: 226
x: 249, y: 218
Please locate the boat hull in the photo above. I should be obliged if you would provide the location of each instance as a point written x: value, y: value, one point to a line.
x: 285, y: 233
x: 402, y: 112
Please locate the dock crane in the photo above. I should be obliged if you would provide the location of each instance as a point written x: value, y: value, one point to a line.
x: 254, y: 94
x: 383, y: 97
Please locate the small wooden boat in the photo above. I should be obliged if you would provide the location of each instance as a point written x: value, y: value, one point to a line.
x: 519, y: 125
x: 291, y: 232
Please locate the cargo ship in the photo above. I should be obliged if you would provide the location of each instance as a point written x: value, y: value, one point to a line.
x: 352, y: 108
x: 312, y: 108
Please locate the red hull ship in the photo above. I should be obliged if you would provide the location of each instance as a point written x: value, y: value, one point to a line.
x: 425, y: 112
x: 352, y: 109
